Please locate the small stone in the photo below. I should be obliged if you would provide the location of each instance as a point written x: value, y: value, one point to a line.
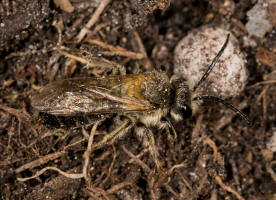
x: 195, y: 52
x: 258, y: 23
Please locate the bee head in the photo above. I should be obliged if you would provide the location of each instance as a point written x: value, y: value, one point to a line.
x: 183, y: 106
x: 187, y: 98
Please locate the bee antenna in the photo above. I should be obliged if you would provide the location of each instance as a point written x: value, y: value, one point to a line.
x: 228, y: 105
x: 215, y: 60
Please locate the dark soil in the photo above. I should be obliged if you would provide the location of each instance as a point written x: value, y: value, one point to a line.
x: 216, y: 155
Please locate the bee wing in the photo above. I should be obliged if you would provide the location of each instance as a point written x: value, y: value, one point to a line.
x: 114, y: 94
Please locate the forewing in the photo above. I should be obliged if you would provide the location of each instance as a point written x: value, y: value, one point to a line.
x: 114, y: 94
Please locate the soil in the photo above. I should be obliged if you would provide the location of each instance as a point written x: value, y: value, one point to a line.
x: 216, y: 154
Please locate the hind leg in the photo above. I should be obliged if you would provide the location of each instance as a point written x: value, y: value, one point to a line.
x: 110, y: 138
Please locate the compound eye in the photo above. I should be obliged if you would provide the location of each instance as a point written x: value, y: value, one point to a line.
x: 186, y: 111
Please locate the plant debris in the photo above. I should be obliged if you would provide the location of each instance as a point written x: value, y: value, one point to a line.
x: 215, y: 155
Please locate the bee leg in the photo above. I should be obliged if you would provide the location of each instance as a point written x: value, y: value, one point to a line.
x: 116, y: 68
x: 117, y: 133
x: 166, y: 123
x: 119, y: 69
x: 147, y: 134
x: 108, y: 65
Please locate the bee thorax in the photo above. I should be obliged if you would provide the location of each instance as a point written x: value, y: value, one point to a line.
x: 153, y: 119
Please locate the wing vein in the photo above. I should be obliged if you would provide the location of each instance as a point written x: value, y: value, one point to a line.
x: 118, y: 99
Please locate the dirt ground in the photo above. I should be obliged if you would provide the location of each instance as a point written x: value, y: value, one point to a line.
x: 216, y: 155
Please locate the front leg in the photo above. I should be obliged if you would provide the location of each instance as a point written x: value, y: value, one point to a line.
x: 166, y: 124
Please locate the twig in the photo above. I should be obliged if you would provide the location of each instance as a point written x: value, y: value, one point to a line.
x: 263, y: 83
x: 117, y: 50
x: 98, y: 28
x: 148, y: 65
x: 94, y: 61
x: 94, y: 18
x: 78, y: 58
x: 137, y: 160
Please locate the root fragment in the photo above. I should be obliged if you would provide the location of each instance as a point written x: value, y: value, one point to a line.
x: 212, y: 144
x: 49, y: 157
x: 94, y: 18
x: 227, y: 188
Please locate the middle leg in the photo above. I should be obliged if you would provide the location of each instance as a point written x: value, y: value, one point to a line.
x: 146, y: 133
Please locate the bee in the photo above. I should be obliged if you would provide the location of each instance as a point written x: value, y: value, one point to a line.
x: 143, y: 100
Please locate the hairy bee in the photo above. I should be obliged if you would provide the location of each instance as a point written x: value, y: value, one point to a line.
x: 144, y: 99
